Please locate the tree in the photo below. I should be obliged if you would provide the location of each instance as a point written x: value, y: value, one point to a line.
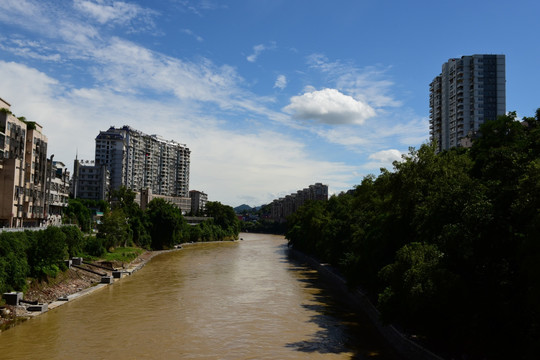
x: 13, y: 261
x: 224, y: 217
x: 47, y: 251
x: 167, y: 225
x: 114, y: 229
x: 79, y: 214
x: 74, y: 240
x: 124, y: 199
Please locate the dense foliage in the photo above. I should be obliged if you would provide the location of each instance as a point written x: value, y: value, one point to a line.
x: 450, y: 242
x: 160, y: 226
x: 41, y: 254
x: 36, y: 254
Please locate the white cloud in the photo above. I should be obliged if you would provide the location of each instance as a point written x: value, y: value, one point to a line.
x: 258, y: 161
x: 107, y: 11
x: 386, y: 156
x: 329, y: 106
x: 29, y: 49
x: 369, y: 84
x: 257, y: 49
x: 281, y: 82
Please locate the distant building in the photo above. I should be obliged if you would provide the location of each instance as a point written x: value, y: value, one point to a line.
x: 139, y: 161
x: 183, y: 203
x: 283, y: 207
x: 90, y: 181
x: 57, y: 191
x: 198, y: 201
x: 469, y: 91
x: 23, y: 166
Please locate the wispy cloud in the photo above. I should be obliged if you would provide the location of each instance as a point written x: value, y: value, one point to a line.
x: 209, y: 106
x: 222, y: 158
x: 116, y: 13
x: 369, y: 84
x: 29, y: 49
x: 329, y: 106
x: 258, y: 49
x: 281, y: 82
x: 191, y: 33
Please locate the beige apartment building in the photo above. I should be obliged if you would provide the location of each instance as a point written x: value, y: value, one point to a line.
x: 23, y: 170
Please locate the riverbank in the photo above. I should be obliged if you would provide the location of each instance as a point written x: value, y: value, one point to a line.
x: 68, y: 286
x: 403, y: 344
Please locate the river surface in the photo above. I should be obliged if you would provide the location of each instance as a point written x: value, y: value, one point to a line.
x: 241, y: 300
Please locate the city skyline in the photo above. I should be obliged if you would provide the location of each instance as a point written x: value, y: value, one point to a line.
x: 268, y: 95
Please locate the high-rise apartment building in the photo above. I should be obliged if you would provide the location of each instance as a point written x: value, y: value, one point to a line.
x: 469, y: 91
x: 140, y: 161
x: 23, y: 170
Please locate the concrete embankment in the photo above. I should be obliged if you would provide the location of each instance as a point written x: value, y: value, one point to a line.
x: 132, y: 267
x: 405, y: 346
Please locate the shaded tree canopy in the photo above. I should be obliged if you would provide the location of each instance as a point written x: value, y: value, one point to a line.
x: 450, y: 242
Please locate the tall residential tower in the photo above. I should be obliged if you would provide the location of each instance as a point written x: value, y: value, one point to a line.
x: 139, y: 161
x: 469, y: 91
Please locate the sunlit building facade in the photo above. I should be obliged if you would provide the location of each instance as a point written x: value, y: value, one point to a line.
x: 139, y: 161
x: 23, y: 170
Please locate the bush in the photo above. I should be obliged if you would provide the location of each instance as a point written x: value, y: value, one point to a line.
x: 94, y: 247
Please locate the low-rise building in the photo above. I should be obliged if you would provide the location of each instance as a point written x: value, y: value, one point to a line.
x: 183, y: 203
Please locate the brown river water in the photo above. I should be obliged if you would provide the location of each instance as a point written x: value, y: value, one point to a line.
x: 241, y: 300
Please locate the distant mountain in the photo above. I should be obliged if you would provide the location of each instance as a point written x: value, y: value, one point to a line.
x: 243, y: 207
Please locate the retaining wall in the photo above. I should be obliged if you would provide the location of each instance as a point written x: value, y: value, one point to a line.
x: 401, y: 343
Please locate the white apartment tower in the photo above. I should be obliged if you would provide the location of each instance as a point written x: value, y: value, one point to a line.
x: 139, y: 161
x: 469, y: 91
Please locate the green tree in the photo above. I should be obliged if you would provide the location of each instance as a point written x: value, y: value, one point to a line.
x: 124, y: 199
x: 167, y: 225
x: 224, y: 217
x: 78, y: 213
x: 47, y: 251
x: 114, y: 229
x: 74, y: 240
x: 13, y: 262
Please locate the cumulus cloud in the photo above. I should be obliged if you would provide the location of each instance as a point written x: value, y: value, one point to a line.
x: 386, y: 156
x: 329, y: 106
x: 281, y: 82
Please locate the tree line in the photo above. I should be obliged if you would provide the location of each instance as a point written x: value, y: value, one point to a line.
x: 41, y: 254
x: 448, y: 244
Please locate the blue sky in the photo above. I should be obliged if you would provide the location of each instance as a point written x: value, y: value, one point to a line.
x: 269, y: 95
